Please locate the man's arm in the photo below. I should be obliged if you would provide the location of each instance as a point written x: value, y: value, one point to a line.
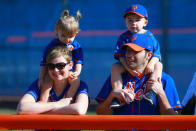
x: 104, y: 107
x: 165, y: 107
x: 124, y: 95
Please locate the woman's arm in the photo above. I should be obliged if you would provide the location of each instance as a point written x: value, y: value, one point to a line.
x: 78, y: 108
x: 28, y: 105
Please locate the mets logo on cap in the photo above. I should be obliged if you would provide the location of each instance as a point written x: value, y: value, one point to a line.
x: 134, y: 7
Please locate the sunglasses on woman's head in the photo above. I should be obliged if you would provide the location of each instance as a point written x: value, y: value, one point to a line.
x: 59, y: 66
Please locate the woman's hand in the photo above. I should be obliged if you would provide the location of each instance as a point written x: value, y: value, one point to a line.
x: 63, y: 102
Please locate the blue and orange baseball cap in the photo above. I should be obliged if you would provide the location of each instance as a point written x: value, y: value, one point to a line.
x: 139, y: 42
x: 137, y: 9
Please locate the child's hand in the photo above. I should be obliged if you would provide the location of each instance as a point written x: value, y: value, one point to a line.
x: 74, y: 74
x: 149, y: 69
x: 155, y: 86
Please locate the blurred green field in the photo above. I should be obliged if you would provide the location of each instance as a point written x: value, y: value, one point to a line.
x: 7, y: 111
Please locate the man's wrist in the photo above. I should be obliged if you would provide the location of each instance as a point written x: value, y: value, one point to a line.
x: 161, y: 94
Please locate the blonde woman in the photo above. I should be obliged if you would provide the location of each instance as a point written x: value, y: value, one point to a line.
x: 58, y: 63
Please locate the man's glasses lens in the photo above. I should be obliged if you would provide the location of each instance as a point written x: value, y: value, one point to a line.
x: 59, y: 66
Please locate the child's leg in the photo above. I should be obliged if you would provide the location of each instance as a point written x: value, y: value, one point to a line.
x: 44, y: 94
x: 155, y: 76
x: 74, y: 85
x: 157, y: 73
x: 45, y: 87
x: 116, y: 78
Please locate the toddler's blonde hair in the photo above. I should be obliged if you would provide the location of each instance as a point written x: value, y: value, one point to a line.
x: 68, y: 24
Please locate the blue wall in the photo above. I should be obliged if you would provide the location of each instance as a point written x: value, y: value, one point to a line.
x: 24, y: 19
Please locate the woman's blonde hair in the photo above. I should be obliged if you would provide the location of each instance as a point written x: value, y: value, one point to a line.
x: 58, y: 51
x: 68, y: 24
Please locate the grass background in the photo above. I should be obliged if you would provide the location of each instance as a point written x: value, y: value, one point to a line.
x: 8, y: 107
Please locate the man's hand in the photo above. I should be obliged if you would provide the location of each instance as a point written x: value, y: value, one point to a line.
x: 125, y: 95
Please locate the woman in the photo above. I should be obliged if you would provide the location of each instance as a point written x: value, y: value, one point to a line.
x: 59, y: 62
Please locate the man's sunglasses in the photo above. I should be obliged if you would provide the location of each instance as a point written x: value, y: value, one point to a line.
x: 59, y: 66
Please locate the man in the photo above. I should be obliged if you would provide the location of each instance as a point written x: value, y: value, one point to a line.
x: 138, y: 52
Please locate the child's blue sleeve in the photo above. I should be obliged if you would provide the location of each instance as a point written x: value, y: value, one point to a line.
x: 157, y: 52
x: 156, y: 47
x: 77, y: 53
x: 78, y: 56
